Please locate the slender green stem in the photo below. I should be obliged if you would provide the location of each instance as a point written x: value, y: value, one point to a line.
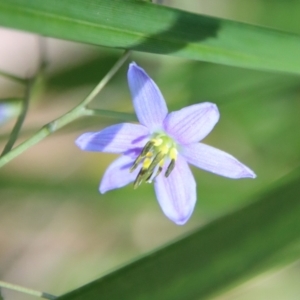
x: 111, y: 114
x: 43, y: 53
x: 40, y: 135
x: 26, y: 290
x: 65, y: 119
x: 16, y: 130
x: 106, y: 79
x: 12, y: 77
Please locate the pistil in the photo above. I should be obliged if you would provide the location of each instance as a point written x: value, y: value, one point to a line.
x: 153, y: 157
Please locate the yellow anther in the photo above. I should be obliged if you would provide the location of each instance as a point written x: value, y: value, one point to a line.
x: 136, y: 163
x: 164, y: 149
x: 157, y: 142
x: 173, y: 153
x: 147, y: 148
x: 161, y: 163
x: 147, y: 163
x: 159, y: 156
x: 153, y: 157
x: 145, y: 153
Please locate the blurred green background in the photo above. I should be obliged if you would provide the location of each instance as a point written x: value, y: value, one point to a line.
x: 57, y: 232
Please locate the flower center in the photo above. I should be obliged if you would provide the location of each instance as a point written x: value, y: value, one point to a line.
x: 153, y: 157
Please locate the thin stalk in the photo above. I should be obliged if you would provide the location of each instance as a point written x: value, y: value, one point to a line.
x: 43, y: 53
x: 65, y: 119
x: 24, y: 290
x: 106, y: 79
x: 111, y: 114
x: 12, y: 77
x: 16, y: 130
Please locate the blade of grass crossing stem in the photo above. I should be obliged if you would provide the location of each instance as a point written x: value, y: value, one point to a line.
x: 143, y: 26
x: 223, y: 253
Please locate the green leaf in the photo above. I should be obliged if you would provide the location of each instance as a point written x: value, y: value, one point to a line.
x: 214, y: 258
x: 143, y: 26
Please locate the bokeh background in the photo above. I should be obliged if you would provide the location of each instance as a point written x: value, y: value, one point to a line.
x: 57, y: 232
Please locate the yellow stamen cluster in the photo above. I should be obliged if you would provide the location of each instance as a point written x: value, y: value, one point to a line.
x: 153, y: 157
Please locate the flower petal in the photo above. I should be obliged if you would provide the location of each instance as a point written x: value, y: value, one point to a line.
x: 177, y: 193
x: 148, y: 102
x: 192, y: 123
x: 8, y: 110
x: 216, y: 161
x: 117, y: 174
x: 117, y: 138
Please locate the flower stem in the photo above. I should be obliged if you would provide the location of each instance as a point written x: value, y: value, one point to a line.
x: 110, y: 114
x: 43, y: 53
x: 105, y: 79
x: 26, y: 290
x: 65, y: 119
x: 16, y: 130
x: 12, y: 77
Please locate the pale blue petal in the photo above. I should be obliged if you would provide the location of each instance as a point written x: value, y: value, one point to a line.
x: 117, y: 174
x: 176, y: 194
x: 192, y: 123
x: 117, y: 138
x: 148, y: 102
x: 216, y: 161
x: 8, y: 110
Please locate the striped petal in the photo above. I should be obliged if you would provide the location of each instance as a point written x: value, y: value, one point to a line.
x: 148, y: 102
x: 192, y: 123
x: 216, y: 161
x: 176, y: 194
x: 117, y: 174
x: 118, y: 138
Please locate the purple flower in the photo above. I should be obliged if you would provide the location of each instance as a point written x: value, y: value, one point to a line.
x: 160, y: 148
x: 8, y: 110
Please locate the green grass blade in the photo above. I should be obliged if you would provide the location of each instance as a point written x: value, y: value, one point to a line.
x: 212, y: 259
x: 143, y: 26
